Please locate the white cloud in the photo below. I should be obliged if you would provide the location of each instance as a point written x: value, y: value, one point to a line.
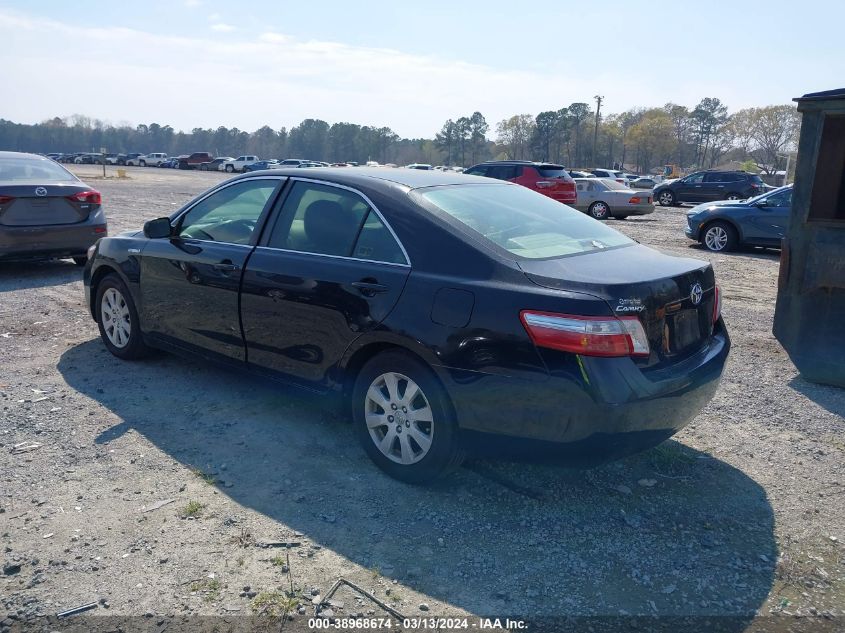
x: 220, y: 27
x: 191, y: 4
x: 214, y: 17
x: 273, y: 79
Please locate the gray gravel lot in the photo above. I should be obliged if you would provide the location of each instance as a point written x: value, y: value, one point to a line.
x: 741, y: 514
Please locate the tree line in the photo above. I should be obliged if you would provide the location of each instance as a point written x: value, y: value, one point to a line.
x: 642, y: 139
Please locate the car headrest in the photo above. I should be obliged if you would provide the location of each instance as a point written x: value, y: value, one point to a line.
x: 329, y: 227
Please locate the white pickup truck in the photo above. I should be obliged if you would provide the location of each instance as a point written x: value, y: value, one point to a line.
x: 148, y: 160
x: 238, y: 164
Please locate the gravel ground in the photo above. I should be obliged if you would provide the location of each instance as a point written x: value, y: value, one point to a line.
x: 167, y: 487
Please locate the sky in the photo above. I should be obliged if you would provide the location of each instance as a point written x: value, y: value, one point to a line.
x: 409, y: 66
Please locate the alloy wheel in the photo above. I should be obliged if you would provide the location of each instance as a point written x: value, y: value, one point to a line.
x: 716, y: 238
x: 600, y: 211
x: 666, y: 199
x: 399, y: 418
x: 115, y: 316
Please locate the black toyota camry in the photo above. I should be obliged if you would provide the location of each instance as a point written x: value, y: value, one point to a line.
x: 444, y: 309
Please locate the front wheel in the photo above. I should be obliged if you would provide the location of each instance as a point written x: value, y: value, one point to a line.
x: 599, y: 210
x: 734, y: 196
x: 117, y: 319
x: 666, y: 199
x: 229, y: 169
x: 719, y: 237
x: 404, y: 420
x: 143, y: 163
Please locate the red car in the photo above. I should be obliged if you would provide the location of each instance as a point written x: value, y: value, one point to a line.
x: 547, y: 178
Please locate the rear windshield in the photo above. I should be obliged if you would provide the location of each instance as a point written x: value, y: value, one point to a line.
x: 521, y: 221
x: 24, y: 169
x: 613, y: 184
x: 553, y: 171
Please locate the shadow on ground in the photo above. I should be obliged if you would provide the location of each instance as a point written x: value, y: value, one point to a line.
x: 671, y: 531
x: 752, y: 252
x: 37, y: 274
x: 827, y: 396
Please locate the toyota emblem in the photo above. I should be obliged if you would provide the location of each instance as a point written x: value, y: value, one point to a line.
x: 695, y: 294
x: 40, y: 191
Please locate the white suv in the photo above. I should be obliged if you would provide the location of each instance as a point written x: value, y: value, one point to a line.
x: 238, y: 164
x: 152, y: 160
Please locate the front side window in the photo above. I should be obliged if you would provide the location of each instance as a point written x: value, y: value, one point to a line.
x: 694, y: 179
x: 519, y: 220
x: 780, y: 199
x: 477, y: 171
x: 229, y: 214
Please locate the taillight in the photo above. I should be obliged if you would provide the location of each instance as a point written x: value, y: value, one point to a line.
x: 6, y: 199
x: 589, y: 336
x: 634, y: 200
x: 87, y: 197
x: 717, y: 304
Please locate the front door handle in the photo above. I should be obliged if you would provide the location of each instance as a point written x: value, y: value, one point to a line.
x: 369, y: 288
x: 226, y: 266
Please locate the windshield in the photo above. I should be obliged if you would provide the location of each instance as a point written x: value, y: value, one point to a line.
x: 768, y: 193
x: 521, y: 221
x: 25, y: 169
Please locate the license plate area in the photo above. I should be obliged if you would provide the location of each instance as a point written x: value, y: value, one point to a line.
x: 683, y: 331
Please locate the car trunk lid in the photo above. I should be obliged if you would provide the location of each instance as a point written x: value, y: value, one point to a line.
x: 673, y: 297
x: 42, y: 205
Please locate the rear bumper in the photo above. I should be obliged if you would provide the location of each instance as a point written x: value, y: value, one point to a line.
x: 59, y: 240
x: 604, y: 405
x: 634, y: 209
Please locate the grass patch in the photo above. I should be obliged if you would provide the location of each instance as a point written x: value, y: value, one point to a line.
x: 278, y: 561
x: 192, y: 509
x: 201, y: 474
x: 669, y: 458
x: 208, y: 587
x: 275, y: 603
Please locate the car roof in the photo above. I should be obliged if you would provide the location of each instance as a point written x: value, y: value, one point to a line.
x: 410, y: 178
x: 4, y: 154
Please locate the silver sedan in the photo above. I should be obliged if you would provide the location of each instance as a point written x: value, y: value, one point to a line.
x: 603, y: 198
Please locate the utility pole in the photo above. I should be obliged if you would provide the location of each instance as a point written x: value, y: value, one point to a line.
x: 598, y: 99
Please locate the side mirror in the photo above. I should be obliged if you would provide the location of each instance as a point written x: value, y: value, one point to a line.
x: 158, y: 228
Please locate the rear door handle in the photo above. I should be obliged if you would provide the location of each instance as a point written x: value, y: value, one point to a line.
x: 226, y: 266
x: 369, y: 288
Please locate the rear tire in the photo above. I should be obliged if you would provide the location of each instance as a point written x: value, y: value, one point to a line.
x: 599, y: 210
x: 117, y: 319
x: 229, y: 169
x: 404, y: 419
x: 719, y: 237
x: 143, y: 163
x: 666, y: 199
x: 734, y: 196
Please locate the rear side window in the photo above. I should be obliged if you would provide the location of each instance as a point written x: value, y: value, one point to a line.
x: 327, y: 220
x: 716, y: 178
x: 503, y: 172
x: 553, y: 171
x: 23, y: 169
x: 519, y: 220
x: 756, y: 179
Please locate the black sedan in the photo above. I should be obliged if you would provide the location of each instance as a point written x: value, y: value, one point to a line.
x: 46, y: 211
x: 759, y: 221
x: 443, y: 308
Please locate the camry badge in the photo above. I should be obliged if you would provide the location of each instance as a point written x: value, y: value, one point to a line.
x: 695, y: 294
x: 40, y: 191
